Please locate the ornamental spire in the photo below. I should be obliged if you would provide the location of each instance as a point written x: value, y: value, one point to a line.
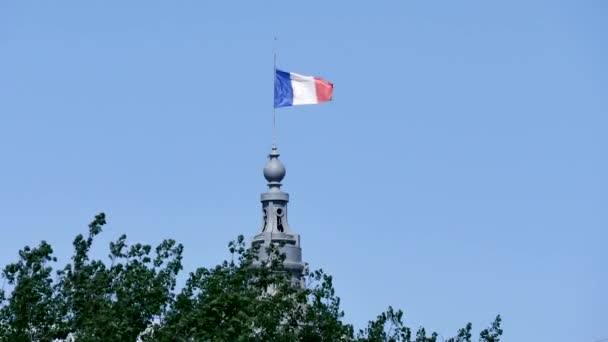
x: 275, y: 228
x: 274, y: 171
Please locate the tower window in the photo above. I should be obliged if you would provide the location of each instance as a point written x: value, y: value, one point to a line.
x: 280, y: 224
x: 279, y: 212
x: 265, y: 219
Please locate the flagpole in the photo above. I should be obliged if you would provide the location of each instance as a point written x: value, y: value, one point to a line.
x: 274, y: 79
x: 274, y: 115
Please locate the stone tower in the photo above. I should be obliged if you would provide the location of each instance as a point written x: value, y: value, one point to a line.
x: 275, y: 227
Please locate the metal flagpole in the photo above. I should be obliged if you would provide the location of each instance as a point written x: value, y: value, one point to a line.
x: 274, y: 116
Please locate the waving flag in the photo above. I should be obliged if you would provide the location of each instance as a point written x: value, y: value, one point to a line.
x: 292, y: 89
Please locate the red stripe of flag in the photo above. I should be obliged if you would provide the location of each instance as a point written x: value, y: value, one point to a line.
x: 325, y: 90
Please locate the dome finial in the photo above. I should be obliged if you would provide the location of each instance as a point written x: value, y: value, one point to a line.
x: 274, y: 171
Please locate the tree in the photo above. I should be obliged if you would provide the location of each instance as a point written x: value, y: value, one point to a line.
x: 235, y: 301
x: 132, y: 297
x: 116, y: 302
x: 89, y: 301
x: 30, y: 313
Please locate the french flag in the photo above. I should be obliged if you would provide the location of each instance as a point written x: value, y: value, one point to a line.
x: 291, y: 89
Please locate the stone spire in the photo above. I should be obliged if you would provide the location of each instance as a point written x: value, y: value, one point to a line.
x: 275, y: 227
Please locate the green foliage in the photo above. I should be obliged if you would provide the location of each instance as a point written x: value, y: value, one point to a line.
x: 132, y: 297
x: 236, y: 301
x: 30, y: 313
x: 464, y: 334
x: 388, y: 326
x: 493, y: 333
x: 116, y: 302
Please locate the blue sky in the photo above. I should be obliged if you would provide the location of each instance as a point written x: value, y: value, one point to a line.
x: 460, y: 171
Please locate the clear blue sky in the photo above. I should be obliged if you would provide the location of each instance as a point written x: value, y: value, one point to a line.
x: 460, y: 172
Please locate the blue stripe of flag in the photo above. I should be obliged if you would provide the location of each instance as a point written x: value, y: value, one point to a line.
x: 283, y: 92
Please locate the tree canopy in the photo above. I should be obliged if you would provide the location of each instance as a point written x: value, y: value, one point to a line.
x: 132, y: 296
